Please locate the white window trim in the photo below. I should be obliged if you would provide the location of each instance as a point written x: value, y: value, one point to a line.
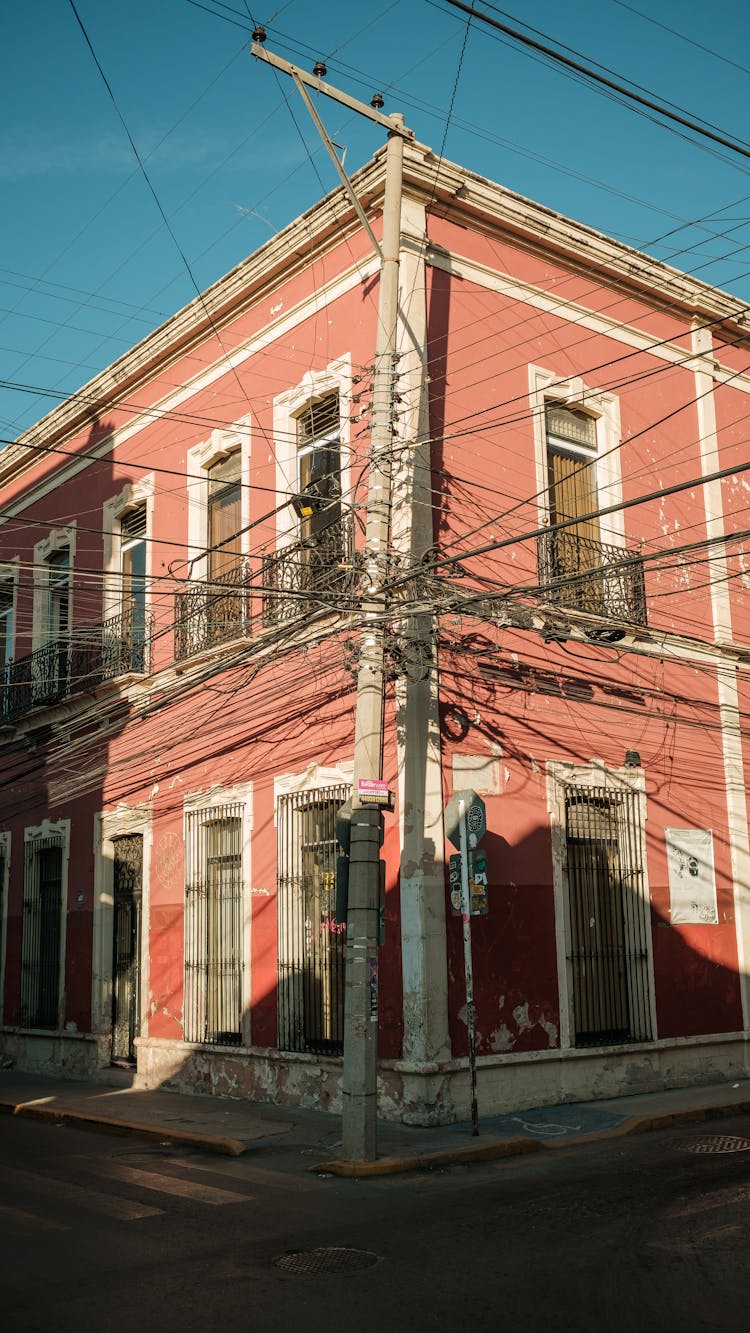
x: 593, y: 774
x: 109, y: 825
x: 9, y: 570
x: 200, y: 459
x: 5, y: 845
x: 313, y: 778
x: 132, y: 496
x: 336, y: 378
x: 547, y: 387
x: 60, y: 539
x: 33, y: 833
x: 214, y: 797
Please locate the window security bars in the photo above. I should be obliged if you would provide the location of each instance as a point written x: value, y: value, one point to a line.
x: 609, y: 922
x: 586, y: 575
x: 213, y: 925
x: 126, y: 944
x: 65, y: 667
x: 212, y: 613
x: 311, y: 942
x: 42, y: 922
x: 309, y: 574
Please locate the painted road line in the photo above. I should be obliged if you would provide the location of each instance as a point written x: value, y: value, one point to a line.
x: 124, y: 1210
x: 22, y: 1221
x: 161, y: 1184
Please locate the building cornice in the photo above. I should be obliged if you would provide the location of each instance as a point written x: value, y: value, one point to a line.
x: 446, y: 190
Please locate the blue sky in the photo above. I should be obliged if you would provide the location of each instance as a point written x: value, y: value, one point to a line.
x: 87, y: 264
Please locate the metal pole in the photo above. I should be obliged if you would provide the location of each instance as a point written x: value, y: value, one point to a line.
x: 468, y: 965
x: 359, y: 1107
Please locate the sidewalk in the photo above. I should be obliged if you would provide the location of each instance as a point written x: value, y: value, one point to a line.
x: 233, y: 1127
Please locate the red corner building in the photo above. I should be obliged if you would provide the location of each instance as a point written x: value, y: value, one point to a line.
x: 182, y: 567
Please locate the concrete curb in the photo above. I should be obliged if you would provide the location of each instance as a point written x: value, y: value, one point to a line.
x: 391, y: 1166
x: 128, y: 1128
x: 498, y: 1148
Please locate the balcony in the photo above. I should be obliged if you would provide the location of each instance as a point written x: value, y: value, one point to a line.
x: 585, y: 575
x: 207, y: 614
x: 64, y: 667
x: 309, y: 574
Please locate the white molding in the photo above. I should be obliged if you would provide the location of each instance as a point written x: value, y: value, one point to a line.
x: 595, y: 773
x: 315, y: 776
x: 59, y: 539
x: 713, y: 501
x: 108, y: 825
x: 227, y: 364
x: 539, y: 298
x: 240, y: 793
x: 220, y: 444
x: 737, y: 824
x: 287, y: 406
x: 545, y: 386
x: 132, y: 496
x: 34, y: 833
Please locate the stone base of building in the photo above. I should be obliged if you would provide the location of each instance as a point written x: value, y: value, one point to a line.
x: 430, y: 1094
x: 74, y: 1055
x: 439, y: 1094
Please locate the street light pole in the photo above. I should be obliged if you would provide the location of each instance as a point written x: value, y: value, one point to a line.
x: 359, y: 1106
x: 359, y: 1134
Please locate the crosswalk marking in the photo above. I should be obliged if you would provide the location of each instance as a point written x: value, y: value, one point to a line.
x: 125, y: 1210
x: 243, y: 1170
x: 184, y: 1189
x: 23, y: 1221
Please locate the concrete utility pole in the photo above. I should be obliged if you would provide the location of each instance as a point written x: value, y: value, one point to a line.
x: 359, y: 1137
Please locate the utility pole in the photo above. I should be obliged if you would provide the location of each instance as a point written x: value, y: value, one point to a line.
x: 359, y: 1119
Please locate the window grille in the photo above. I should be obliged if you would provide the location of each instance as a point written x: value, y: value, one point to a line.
x: 213, y: 925
x: 42, y: 924
x: 609, y: 923
x: 312, y: 943
x: 133, y: 524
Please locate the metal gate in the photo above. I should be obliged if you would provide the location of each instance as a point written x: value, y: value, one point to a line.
x: 311, y: 942
x: 126, y: 946
x: 608, y: 916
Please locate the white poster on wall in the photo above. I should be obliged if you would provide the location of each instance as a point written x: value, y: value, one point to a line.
x: 692, y: 883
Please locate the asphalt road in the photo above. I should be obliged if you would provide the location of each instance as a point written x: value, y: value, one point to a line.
x: 645, y: 1233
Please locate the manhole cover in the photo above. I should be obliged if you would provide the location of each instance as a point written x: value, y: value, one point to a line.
x: 331, y: 1259
x: 718, y: 1143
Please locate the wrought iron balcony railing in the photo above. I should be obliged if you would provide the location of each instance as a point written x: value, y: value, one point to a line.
x: 64, y: 667
x: 308, y: 574
x: 585, y: 575
x: 211, y: 613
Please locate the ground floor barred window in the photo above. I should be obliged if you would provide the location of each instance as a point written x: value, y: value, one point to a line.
x: 312, y: 943
x: 214, y: 953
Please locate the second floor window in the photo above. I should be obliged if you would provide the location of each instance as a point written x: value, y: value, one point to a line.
x: 224, y: 518
x: 6, y: 626
x: 573, y: 554
x: 319, y: 464
x: 57, y: 618
x: 133, y: 570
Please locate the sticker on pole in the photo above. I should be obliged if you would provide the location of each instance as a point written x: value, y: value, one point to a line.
x: 478, y: 881
x: 474, y: 813
x: 375, y: 791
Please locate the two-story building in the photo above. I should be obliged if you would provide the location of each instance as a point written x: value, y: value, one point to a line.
x: 181, y: 553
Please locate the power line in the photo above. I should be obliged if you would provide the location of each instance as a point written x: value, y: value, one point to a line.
x: 662, y: 108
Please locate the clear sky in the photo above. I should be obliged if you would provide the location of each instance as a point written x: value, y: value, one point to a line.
x: 88, y: 265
